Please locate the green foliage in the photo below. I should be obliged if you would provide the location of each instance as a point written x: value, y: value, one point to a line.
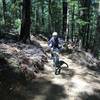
x: 40, y: 16
x: 17, y: 23
x: 12, y: 15
x: 81, y: 22
x: 45, y: 20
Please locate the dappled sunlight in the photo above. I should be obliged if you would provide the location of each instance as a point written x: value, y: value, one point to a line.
x: 76, y: 87
x: 75, y: 82
x: 80, y: 85
x: 8, y: 48
x: 79, y: 82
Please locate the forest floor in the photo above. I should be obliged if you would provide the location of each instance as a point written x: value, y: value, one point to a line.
x: 74, y: 83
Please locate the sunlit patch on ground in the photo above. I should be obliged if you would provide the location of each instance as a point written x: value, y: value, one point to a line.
x: 80, y: 85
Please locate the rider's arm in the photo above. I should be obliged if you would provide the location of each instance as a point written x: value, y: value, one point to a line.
x: 60, y: 42
x: 50, y: 43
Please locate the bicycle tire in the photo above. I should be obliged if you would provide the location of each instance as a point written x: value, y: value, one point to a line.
x: 57, y: 71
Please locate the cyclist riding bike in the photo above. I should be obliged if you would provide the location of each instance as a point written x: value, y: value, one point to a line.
x: 55, y: 49
x: 54, y: 43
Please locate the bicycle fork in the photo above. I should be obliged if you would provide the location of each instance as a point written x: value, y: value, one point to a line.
x: 56, y: 64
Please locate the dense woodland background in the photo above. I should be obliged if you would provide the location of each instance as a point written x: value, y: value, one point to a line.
x: 72, y: 19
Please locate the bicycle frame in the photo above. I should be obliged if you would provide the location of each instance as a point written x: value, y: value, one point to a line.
x: 55, y: 56
x: 55, y: 53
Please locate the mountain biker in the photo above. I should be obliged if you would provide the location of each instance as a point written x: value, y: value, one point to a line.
x: 55, y: 46
x: 54, y: 43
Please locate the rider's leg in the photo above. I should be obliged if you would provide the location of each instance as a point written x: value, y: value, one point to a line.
x: 56, y: 60
x: 51, y: 53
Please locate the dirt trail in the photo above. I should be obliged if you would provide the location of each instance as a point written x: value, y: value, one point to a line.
x: 74, y: 83
x: 78, y: 82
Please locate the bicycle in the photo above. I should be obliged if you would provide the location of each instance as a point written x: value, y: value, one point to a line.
x: 56, y: 62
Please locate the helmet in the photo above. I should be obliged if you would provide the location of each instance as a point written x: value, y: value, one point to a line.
x: 54, y: 34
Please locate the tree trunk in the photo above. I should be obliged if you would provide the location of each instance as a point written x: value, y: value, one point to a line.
x: 42, y: 8
x: 26, y: 21
x: 85, y: 17
x: 37, y: 21
x: 49, y: 17
x: 97, y: 35
x: 73, y: 23
x: 4, y: 11
x: 65, y: 20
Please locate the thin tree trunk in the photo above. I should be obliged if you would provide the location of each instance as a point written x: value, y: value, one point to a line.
x: 26, y: 21
x: 73, y: 24
x: 97, y: 35
x: 85, y: 17
x: 88, y: 25
x: 49, y: 17
x: 65, y: 20
x: 37, y: 21
x: 97, y: 39
x: 4, y: 11
x: 42, y: 15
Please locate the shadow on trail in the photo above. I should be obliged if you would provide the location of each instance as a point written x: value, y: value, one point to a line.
x: 56, y: 92
x: 94, y: 68
x: 45, y: 90
x: 67, y: 73
x: 9, y: 81
x: 14, y: 86
x: 86, y: 96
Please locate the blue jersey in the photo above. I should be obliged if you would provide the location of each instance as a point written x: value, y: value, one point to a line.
x: 53, y: 42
